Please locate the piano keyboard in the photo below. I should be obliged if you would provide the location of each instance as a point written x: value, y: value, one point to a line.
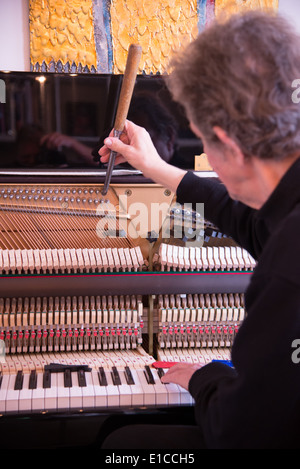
x: 96, y: 381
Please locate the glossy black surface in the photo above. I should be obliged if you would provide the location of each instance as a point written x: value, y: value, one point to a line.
x: 83, y: 107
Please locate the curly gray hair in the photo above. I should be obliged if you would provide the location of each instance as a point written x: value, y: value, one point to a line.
x: 238, y: 75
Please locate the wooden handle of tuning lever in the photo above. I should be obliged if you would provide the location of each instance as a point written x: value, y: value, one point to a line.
x: 131, y: 69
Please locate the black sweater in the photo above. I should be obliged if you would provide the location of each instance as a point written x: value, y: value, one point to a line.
x: 256, y: 404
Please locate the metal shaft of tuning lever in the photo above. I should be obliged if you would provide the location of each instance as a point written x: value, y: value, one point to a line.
x: 131, y: 69
x: 110, y: 167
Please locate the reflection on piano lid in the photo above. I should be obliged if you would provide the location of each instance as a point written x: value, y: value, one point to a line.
x: 60, y: 123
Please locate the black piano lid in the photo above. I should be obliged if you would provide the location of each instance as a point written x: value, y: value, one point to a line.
x: 83, y: 107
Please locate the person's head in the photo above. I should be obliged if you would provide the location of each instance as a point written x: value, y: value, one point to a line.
x: 235, y: 83
x: 147, y: 111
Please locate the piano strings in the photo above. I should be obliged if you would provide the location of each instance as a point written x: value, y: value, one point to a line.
x: 60, y: 217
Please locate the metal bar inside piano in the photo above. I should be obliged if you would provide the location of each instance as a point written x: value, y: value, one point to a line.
x: 142, y: 283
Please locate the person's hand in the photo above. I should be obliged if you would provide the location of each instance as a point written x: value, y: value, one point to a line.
x: 181, y: 373
x: 55, y: 140
x: 134, y: 147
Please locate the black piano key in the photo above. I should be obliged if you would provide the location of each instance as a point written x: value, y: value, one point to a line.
x: 67, y: 379
x: 128, y: 376
x: 115, y: 376
x: 102, y: 376
x: 32, y: 380
x: 19, y: 381
x: 46, y: 379
x: 81, y: 378
x: 148, y: 374
x: 1, y: 377
x: 160, y: 372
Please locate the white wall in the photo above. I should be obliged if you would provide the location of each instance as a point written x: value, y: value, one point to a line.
x: 14, y: 35
x: 291, y: 9
x: 14, y: 31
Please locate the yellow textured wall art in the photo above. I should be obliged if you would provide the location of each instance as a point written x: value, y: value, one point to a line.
x: 159, y: 26
x: 62, y: 30
x: 229, y: 7
x: 94, y: 35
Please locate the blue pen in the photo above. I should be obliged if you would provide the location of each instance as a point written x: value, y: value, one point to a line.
x: 225, y: 362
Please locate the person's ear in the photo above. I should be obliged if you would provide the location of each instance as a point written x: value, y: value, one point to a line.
x: 231, y: 146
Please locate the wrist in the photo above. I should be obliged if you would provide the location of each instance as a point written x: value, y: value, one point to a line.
x: 165, y: 174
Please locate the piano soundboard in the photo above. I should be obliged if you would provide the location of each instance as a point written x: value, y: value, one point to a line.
x: 84, y: 316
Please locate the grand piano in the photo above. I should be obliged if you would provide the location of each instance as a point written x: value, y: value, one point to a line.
x: 93, y: 291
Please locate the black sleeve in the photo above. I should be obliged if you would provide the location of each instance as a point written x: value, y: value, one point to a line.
x: 233, y: 218
x: 257, y: 405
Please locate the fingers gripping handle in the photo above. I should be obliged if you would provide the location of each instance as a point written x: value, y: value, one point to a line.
x: 131, y: 69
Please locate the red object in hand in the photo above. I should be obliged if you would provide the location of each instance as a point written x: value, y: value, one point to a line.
x: 163, y: 364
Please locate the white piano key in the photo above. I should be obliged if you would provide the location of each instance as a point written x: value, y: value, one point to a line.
x: 38, y: 394
x: 148, y: 389
x: 25, y: 396
x: 137, y: 391
x: 113, y: 393
x: 75, y: 392
x: 100, y: 391
x: 185, y: 396
x: 12, y: 395
x: 160, y: 390
x: 88, y: 392
x: 125, y: 391
x: 173, y: 392
x: 3, y: 391
x: 50, y: 394
x: 63, y: 394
